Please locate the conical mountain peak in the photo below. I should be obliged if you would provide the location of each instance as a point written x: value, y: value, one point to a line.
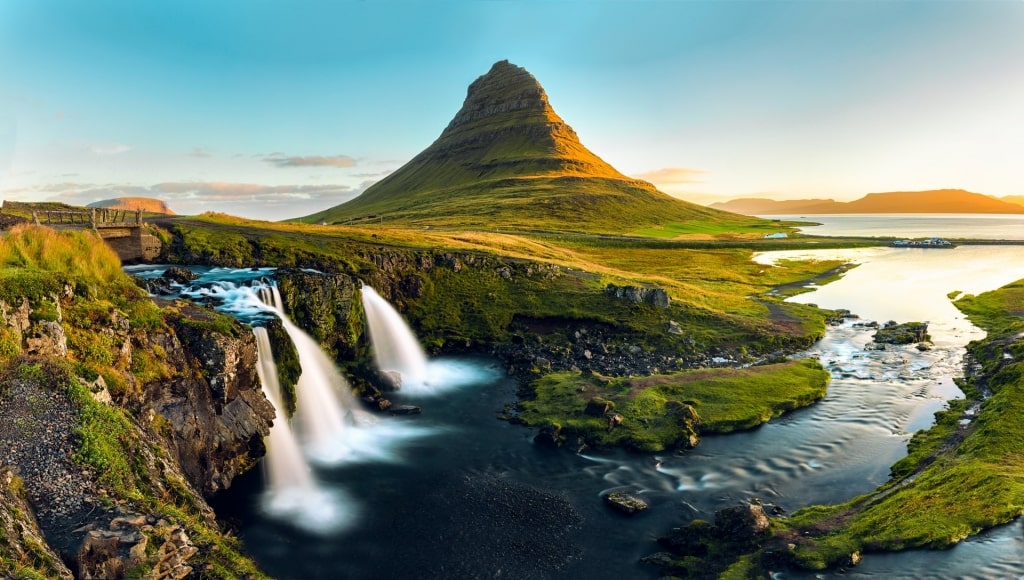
x: 507, y: 160
x: 505, y: 90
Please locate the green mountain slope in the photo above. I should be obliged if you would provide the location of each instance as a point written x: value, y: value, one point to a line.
x: 508, y: 161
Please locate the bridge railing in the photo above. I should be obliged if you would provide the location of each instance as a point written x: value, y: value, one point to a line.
x: 95, y: 218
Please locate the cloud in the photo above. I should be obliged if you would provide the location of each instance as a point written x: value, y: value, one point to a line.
x: 199, y: 152
x: 252, y: 200
x: 672, y: 176
x: 108, y: 148
x: 281, y: 160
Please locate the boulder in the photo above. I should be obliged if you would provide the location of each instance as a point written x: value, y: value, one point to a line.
x: 405, y: 410
x: 741, y: 524
x: 179, y: 275
x: 624, y: 502
x: 390, y: 380
x: 598, y: 407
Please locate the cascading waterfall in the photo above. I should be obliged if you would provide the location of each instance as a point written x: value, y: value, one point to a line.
x: 395, y: 347
x: 325, y: 407
x: 293, y: 491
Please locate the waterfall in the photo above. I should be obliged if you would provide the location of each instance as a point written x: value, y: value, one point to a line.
x: 395, y: 348
x: 325, y: 406
x: 293, y: 492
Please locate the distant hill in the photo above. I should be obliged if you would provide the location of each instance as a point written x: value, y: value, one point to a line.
x: 508, y: 161
x: 932, y: 201
x: 1017, y: 199
x: 146, y: 204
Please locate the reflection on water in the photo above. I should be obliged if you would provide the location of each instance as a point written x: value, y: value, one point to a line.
x: 418, y: 515
x: 912, y: 284
x: 943, y: 225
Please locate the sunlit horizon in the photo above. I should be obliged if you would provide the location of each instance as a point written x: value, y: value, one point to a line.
x: 275, y: 112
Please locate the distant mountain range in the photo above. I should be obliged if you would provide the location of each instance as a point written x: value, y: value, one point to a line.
x: 932, y: 201
x: 146, y: 204
x: 508, y: 161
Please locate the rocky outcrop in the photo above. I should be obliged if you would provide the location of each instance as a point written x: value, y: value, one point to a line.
x: 121, y: 549
x: 653, y: 296
x: 325, y: 305
x: 22, y: 545
x: 906, y: 333
x: 218, y: 416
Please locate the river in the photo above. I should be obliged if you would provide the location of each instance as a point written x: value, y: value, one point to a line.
x: 471, y: 496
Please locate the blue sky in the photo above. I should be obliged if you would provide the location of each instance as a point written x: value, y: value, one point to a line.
x: 274, y: 109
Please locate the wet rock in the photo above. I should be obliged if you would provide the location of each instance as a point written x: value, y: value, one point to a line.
x: 691, y: 540
x: 405, y: 410
x: 741, y: 523
x: 550, y: 435
x: 906, y: 333
x: 390, y: 380
x: 179, y: 275
x: 626, y: 503
x: 854, y: 559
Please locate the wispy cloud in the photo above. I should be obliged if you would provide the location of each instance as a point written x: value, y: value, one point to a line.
x: 108, y: 148
x: 672, y: 176
x: 199, y: 152
x: 271, y: 202
x: 281, y: 160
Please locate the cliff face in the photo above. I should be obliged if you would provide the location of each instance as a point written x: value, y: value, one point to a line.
x: 98, y: 460
x: 146, y: 204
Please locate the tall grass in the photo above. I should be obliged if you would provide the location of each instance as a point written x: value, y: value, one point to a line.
x: 78, y: 255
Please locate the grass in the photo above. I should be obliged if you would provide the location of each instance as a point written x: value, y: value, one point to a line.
x: 652, y: 410
x: 955, y: 481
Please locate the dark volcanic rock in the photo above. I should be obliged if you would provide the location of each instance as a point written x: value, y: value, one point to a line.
x: 404, y: 410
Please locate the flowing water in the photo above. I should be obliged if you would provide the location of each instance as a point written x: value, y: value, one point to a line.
x: 395, y: 348
x: 460, y: 494
x: 943, y: 225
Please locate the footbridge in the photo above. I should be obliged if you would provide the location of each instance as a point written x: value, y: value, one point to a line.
x: 123, y: 230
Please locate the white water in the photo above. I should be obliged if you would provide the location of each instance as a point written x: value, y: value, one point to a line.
x: 293, y: 494
x: 325, y: 409
x: 395, y: 348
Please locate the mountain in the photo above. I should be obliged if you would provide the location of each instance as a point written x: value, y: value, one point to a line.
x: 762, y: 206
x: 508, y: 161
x: 146, y: 204
x: 1017, y: 199
x: 932, y: 201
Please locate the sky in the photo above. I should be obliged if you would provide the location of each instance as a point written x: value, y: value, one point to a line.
x: 277, y: 109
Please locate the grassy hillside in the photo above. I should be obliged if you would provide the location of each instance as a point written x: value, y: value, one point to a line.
x: 507, y: 161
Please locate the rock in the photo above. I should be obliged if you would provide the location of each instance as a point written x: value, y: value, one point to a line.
x: 179, y: 275
x: 654, y: 296
x: 626, y: 503
x: 741, y: 523
x: 905, y: 333
x: 390, y: 380
x: 598, y: 407
x: 614, y: 420
x: 48, y: 340
x: 550, y: 435
x: 405, y: 410
x: 691, y: 540
x: 854, y: 559
x: 674, y: 328
x: 659, y: 559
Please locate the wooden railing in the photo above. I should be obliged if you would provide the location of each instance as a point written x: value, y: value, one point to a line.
x: 95, y: 218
